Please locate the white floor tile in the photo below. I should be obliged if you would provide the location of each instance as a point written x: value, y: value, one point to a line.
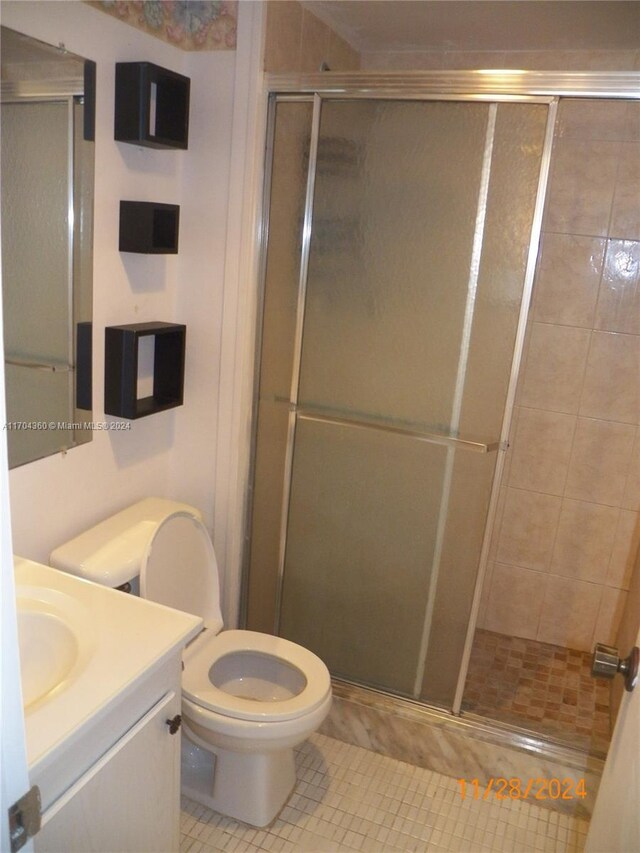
x: 349, y: 799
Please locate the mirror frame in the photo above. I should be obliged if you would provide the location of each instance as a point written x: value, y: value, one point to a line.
x: 76, y: 84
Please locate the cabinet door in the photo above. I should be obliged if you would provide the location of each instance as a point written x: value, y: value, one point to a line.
x: 129, y: 801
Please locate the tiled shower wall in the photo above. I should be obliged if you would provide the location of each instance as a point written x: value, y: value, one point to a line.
x: 539, y: 60
x: 298, y: 41
x: 566, y: 533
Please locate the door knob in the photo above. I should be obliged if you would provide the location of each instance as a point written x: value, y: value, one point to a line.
x: 606, y: 662
x: 174, y: 724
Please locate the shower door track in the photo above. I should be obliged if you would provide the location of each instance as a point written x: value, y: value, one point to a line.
x: 472, y: 86
x: 482, y: 85
x: 547, y: 746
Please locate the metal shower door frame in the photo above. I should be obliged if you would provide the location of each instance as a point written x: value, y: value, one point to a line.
x: 473, y: 86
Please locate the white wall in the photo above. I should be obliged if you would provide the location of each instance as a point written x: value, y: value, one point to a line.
x: 169, y: 454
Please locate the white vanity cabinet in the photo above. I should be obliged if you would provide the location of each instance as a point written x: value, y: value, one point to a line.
x: 99, y: 744
x: 129, y: 799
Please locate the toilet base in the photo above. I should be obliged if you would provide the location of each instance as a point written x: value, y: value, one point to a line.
x: 251, y: 787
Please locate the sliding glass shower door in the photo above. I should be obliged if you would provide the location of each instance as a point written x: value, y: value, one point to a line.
x: 399, y: 235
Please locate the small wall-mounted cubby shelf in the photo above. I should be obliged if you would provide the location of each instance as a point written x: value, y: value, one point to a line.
x: 121, y: 369
x: 84, y: 361
x: 149, y: 227
x: 152, y: 106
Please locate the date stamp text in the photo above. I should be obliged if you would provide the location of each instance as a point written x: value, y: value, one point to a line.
x: 501, y: 788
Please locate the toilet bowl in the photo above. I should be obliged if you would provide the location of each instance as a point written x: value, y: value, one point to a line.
x: 247, y: 698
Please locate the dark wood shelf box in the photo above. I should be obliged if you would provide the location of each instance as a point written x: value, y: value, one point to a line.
x: 149, y: 227
x: 84, y: 363
x: 121, y: 369
x: 151, y: 106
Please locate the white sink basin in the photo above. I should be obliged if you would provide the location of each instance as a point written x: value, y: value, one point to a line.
x: 84, y: 651
x: 55, y: 640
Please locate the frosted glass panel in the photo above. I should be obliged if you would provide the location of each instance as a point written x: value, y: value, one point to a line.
x: 286, y: 212
x: 362, y: 530
x: 465, y: 513
x: 271, y: 448
x: 393, y: 223
x: 35, y: 242
x: 292, y: 133
x: 515, y: 169
x: 421, y: 224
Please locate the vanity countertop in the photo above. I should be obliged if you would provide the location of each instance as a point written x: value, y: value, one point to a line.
x: 118, y: 639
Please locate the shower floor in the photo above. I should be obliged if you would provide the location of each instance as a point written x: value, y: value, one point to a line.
x: 544, y: 688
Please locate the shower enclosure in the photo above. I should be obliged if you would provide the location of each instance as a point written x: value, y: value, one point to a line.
x: 399, y: 248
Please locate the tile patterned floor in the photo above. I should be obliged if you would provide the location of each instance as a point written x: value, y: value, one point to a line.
x: 542, y: 687
x: 348, y: 798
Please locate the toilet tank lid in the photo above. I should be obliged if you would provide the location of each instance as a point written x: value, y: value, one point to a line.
x: 111, y: 552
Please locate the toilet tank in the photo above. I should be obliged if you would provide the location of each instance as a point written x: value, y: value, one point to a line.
x: 111, y: 552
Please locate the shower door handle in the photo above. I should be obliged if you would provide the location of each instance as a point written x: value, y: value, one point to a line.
x: 606, y: 663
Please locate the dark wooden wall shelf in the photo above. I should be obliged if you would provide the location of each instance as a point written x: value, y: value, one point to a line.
x: 121, y: 369
x: 151, y: 106
x: 149, y: 227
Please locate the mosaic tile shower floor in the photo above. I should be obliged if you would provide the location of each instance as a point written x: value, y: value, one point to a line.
x: 545, y: 688
x: 348, y: 798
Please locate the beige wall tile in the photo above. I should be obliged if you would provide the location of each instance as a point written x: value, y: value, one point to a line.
x: 625, y: 550
x: 603, y: 60
x: 569, y: 613
x: 618, y: 307
x: 611, y: 388
x: 567, y: 278
x: 631, y: 497
x: 595, y: 542
x: 298, y: 41
x: 314, y: 44
x: 554, y: 368
x: 283, y: 36
x: 406, y: 60
x: 581, y: 186
x: 625, y: 215
x: 584, y: 119
x: 528, y: 529
x: 461, y: 60
x: 571, y: 60
x: 541, y: 451
x: 584, y: 541
x: 599, y: 461
x: 609, y: 616
x: 532, y: 59
x: 633, y: 119
x: 547, y: 60
x: 340, y: 55
x: 515, y: 601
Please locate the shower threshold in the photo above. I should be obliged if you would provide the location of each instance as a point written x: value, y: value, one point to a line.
x: 466, y: 746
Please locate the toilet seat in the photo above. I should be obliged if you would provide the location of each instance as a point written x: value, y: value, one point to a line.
x: 208, y: 648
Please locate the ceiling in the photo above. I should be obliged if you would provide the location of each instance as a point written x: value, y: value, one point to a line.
x: 498, y: 25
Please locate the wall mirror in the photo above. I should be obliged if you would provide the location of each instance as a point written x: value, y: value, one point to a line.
x: 47, y: 120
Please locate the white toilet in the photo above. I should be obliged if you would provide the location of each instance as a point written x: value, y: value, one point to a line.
x: 247, y: 698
